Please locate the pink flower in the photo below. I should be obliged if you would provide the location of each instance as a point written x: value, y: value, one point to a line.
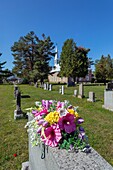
x: 34, y: 112
x: 60, y: 104
x: 42, y: 112
x: 53, y: 135
x: 67, y: 123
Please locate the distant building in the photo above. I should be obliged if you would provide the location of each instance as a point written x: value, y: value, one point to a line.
x: 54, y: 73
x: 14, y: 79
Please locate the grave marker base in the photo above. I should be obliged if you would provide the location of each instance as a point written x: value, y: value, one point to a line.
x: 17, y: 114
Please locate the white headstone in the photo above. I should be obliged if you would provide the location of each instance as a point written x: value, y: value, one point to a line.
x: 50, y: 87
x: 75, y: 93
x: 81, y: 91
x: 62, y: 91
x: 44, y: 86
x: 108, y: 100
x: 91, y: 97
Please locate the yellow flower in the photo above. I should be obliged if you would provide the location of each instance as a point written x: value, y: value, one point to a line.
x: 39, y: 109
x: 76, y: 114
x: 71, y: 111
x: 52, y: 117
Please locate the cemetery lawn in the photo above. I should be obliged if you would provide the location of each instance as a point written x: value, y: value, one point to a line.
x: 98, y: 122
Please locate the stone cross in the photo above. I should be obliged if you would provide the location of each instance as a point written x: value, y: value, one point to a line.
x: 18, y: 111
x: 91, y: 97
x: 81, y: 91
x: 15, y: 89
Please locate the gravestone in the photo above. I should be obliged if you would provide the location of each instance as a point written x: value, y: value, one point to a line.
x: 108, y: 100
x: 18, y: 112
x: 15, y: 89
x: 44, y: 86
x: 61, y: 159
x: 81, y: 91
x: 62, y: 90
x: 50, y: 87
x: 109, y: 86
x: 91, y: 97
x: 36, y: 84
x: 47, y: 86
x: 75, y: 93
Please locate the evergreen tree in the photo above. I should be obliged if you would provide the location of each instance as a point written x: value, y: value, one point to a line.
x: 104, y: 69
x: 73, y: 60
x: 31, y: 55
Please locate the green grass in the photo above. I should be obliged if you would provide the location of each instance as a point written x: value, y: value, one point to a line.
x: 13, y: 136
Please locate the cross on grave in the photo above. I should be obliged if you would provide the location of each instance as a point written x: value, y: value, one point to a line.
x: 15, y: 89
x: 18, y: 111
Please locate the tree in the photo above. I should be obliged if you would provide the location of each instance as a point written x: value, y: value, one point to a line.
x: 32, y: 56
x: 73, y: 60
x: 3, y: 73
x: 104, y: 69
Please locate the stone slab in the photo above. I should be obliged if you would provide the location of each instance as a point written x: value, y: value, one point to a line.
x: 58, y: 159
x: 108, y: 100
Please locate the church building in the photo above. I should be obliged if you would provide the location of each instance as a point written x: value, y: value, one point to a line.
x: 54, y: 73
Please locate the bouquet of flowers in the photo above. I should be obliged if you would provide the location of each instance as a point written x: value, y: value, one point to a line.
x: 57, y: 123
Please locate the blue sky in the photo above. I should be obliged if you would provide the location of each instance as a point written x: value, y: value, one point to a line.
x: 88, y: 22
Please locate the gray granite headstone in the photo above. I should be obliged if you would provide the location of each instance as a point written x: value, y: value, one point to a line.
x: 109, y: 86
x: 61, y: 159
x: 91, y: 97
x: 81, y: 91
x: 108, y: 100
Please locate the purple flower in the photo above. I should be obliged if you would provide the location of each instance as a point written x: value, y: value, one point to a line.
x: 47, y: 103
x: 60, y: 104
x: 67, y: 123
x: 41, y: 121
x: 81, y: 132
x: 80, y: 120
x: 34, y: 112
x: 39, y: 129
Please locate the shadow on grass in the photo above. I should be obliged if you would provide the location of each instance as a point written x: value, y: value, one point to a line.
x: 25, y: 96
